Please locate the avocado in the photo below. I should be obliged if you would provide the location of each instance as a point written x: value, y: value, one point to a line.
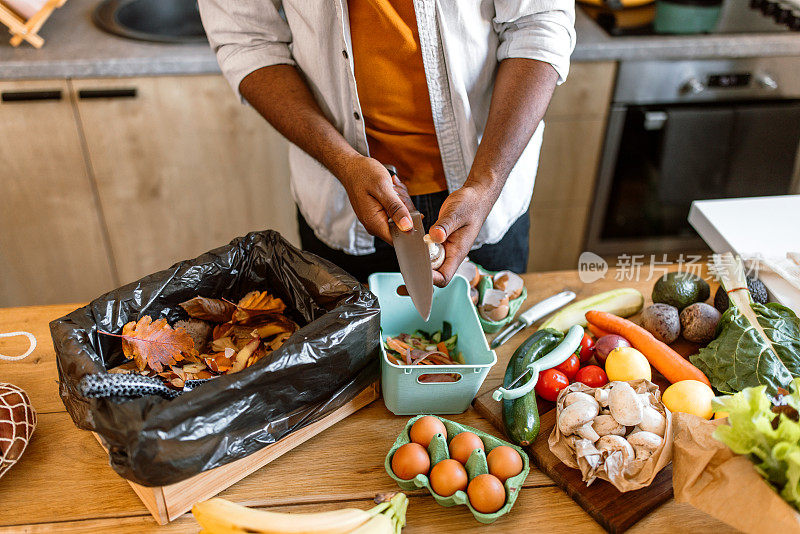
x: 757, y: 290
x: 680, y: 289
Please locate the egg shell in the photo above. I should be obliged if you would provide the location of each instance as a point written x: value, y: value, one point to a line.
x: 423, y: 430
x: 448, y: 477
x: 462, y: 445
x: 411, y: 460
x: 504, y: 462
x: 489, y: 325
x: 486, y: 493
x: 476, y: 465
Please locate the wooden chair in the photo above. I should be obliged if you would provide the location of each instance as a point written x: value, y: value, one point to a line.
x: 28, y: 29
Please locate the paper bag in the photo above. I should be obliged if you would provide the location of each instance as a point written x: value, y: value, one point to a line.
x: 710, y: 477
x: 634, y: 475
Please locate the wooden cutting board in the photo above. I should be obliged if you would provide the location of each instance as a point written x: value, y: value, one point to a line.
x: 615, y: 511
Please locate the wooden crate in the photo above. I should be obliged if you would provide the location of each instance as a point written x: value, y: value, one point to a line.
x: 167, y: 503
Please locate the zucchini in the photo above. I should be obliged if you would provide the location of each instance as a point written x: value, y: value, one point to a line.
x: 623, y: 302
x: 451, y: 343
x: 521, y: 416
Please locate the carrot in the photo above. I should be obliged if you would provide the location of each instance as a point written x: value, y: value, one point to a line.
x: 441, y: 347
x: 596, y: 331
x: 669, y: 363
x: 393, y: 360
x: 397, y: 345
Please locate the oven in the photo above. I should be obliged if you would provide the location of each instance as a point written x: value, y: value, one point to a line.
x: 680, y: 131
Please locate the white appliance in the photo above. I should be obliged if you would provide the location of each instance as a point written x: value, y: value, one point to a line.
x: 764, y: 226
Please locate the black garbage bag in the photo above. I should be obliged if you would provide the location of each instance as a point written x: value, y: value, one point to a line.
x: 154, y: 441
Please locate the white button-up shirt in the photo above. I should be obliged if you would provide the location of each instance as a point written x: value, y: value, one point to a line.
x: 462, y: 43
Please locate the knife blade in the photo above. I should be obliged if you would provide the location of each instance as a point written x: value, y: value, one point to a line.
x: 415, y: 263
x: 536, y: 312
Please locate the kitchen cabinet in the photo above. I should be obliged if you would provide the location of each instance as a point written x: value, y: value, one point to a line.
x: 181, y: 167
x: 107, y: 180
x: 53, y: 247
x: 575, y: 126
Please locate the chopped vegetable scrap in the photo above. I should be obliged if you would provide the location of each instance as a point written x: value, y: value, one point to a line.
x: 219, y: 338
x: 422, y: 348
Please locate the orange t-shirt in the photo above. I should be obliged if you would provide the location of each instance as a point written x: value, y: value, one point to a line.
x: 393, y: 92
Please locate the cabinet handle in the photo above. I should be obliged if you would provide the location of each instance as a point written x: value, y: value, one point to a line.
x: 123, y: 92
x: 30, y: 96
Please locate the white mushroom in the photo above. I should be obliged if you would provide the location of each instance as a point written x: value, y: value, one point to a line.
x: 435, y: 251
x: 577, y: 419
x: 644, y: 443
x: 653, y: 421
x: 601, y: 396
x: 612, y: 443
x: 579, y: 396
x: 624, y: 404
x: 605, y: 425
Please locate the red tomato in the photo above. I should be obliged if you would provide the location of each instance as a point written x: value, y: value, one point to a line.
x: 592, y: 375
x: 569, y: 366
x: 550, y: 383
x: 586, y: 350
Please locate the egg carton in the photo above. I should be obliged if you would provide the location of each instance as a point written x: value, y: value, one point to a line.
x: 491, y: 327
x: 476, y: 465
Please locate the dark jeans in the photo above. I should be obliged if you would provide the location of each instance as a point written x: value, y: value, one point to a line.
x: 510, y: 253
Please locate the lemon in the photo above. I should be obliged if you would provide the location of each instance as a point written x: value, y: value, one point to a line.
x: 689, y: 396
x: 627, y: 363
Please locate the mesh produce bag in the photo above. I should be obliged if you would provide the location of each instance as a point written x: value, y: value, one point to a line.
x: 17, y: 422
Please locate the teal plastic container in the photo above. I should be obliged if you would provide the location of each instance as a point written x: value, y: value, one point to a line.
x: 686, y: 16
x: 476, y: 465
x: 402, y: 391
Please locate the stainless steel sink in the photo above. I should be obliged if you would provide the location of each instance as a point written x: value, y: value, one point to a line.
x: 164, y: 21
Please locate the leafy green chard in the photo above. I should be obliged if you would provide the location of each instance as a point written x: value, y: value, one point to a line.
x: 768, y: 434
x: 756, y: 344
x: 741, y: 357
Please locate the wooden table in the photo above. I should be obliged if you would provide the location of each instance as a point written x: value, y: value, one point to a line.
x: 63, y: 482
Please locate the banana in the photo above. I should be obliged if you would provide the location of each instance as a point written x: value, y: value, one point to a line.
x: 379, y: 524
x: 219, y: 516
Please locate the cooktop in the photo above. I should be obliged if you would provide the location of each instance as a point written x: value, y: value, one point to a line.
x: 735, y: 17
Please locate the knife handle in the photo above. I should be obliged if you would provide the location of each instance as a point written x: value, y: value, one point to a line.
x: 546, y: 307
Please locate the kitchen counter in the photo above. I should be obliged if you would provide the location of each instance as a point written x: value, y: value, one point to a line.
x: 74, y: 47
x: 63, y: 481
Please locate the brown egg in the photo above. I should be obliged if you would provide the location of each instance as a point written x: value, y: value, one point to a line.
x: 411, y: 460
x: 447, y: 477
x: 424, y: 428
x: 462, y: 445
x: 486, y: 494
x: 504, y: 462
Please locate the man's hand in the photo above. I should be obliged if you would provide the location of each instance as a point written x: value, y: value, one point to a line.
x: 462, y: 215
x: 376, y: 196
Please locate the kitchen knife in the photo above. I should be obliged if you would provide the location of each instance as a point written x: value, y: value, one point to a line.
x: 536, y: 312
x: 415, y: 263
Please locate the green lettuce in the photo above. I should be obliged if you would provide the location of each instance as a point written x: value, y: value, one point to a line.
x: 740, y: 356
x: 771, y: 440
